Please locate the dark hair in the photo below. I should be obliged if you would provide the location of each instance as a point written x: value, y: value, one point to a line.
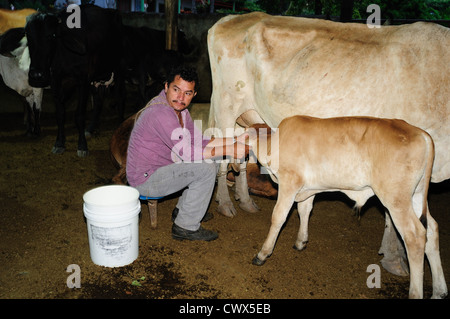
x: 186, y: 73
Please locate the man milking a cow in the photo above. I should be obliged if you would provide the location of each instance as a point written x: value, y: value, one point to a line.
x: 167, y: 154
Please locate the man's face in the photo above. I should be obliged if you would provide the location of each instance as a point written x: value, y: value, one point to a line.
x: 180, y: 93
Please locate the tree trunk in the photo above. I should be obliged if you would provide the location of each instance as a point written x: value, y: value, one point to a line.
x: 346, y: 10
x: 171, y: 24
x: 317, y: 7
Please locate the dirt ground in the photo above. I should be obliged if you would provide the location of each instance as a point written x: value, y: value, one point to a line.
x: 43, y: 231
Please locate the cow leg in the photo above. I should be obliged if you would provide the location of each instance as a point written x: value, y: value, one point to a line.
x: 304, y: 209
x: 36, y: 118
x: 434, y: 258
x: 59, y: 99
x: 37, y: 107
x: 394, y: 259
x: 225, y: 207
x: 120, y: 93
x: 280, y: 212
x: 246, y: 203
x: 28, y: 121
x: 97, y: 101
x: 80, y: 118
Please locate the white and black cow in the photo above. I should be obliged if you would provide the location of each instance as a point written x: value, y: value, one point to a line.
x: 361, y: 157
x: 283, y: 66
x: 14, y: 67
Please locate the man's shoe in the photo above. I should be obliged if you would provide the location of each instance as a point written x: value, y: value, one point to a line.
x: 179, y: 233
x: 208, y: 215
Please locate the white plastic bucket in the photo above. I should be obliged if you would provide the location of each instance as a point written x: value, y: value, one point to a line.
x: 112, y: 218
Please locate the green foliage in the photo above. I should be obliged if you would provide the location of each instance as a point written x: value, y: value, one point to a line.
x: 406, y: 9
x: 390, y: 9
x: 41, y: 5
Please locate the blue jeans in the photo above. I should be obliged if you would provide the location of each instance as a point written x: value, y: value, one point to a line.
x: 197, y: 181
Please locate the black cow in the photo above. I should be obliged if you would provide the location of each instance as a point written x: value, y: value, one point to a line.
x: 147, y: 61
x: 70, y: 59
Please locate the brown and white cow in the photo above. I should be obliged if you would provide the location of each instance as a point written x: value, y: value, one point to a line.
x: 361, y: 157
x: 278, y: 67
x: 10, y: 19
x: 284, y: 66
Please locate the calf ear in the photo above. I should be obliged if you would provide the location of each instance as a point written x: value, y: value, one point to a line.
x: 11, y: 40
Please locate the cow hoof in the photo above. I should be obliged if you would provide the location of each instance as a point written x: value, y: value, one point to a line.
x: 395, y: 266
x: 227, y: 210
x: 82, y: 153
x: 249, y: 207
x: 442, y: 295
x: 302, y: 246
x: 58, y: 149
x: 258, y: 262
x: 31, y: 134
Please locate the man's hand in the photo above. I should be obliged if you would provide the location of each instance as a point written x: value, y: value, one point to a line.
x: 241, y: 151
x: 243, y: 138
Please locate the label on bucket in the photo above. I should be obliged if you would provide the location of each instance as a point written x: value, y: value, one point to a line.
x: 114, y: 241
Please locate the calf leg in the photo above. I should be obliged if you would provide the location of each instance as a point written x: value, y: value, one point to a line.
x: 414, y: 236
x: 304, y: 209
x: 280, y: 212
x: 433, y: 255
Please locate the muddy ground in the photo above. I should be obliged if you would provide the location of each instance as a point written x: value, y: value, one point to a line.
x: 43, y: 230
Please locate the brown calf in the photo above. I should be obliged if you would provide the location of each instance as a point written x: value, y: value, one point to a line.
x: 361, y: 157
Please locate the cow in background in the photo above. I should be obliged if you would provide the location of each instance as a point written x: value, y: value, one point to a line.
x: 118, y: 149
x: 15, y: 64
x: 145, y: 63
x: 70, y: 59
x: 14, y: 67
x: 278, y: 67
x: 10, y: 19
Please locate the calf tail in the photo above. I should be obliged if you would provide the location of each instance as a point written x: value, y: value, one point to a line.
x: 427, y: 176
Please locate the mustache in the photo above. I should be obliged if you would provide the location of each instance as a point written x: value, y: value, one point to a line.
x: 176, y: 101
